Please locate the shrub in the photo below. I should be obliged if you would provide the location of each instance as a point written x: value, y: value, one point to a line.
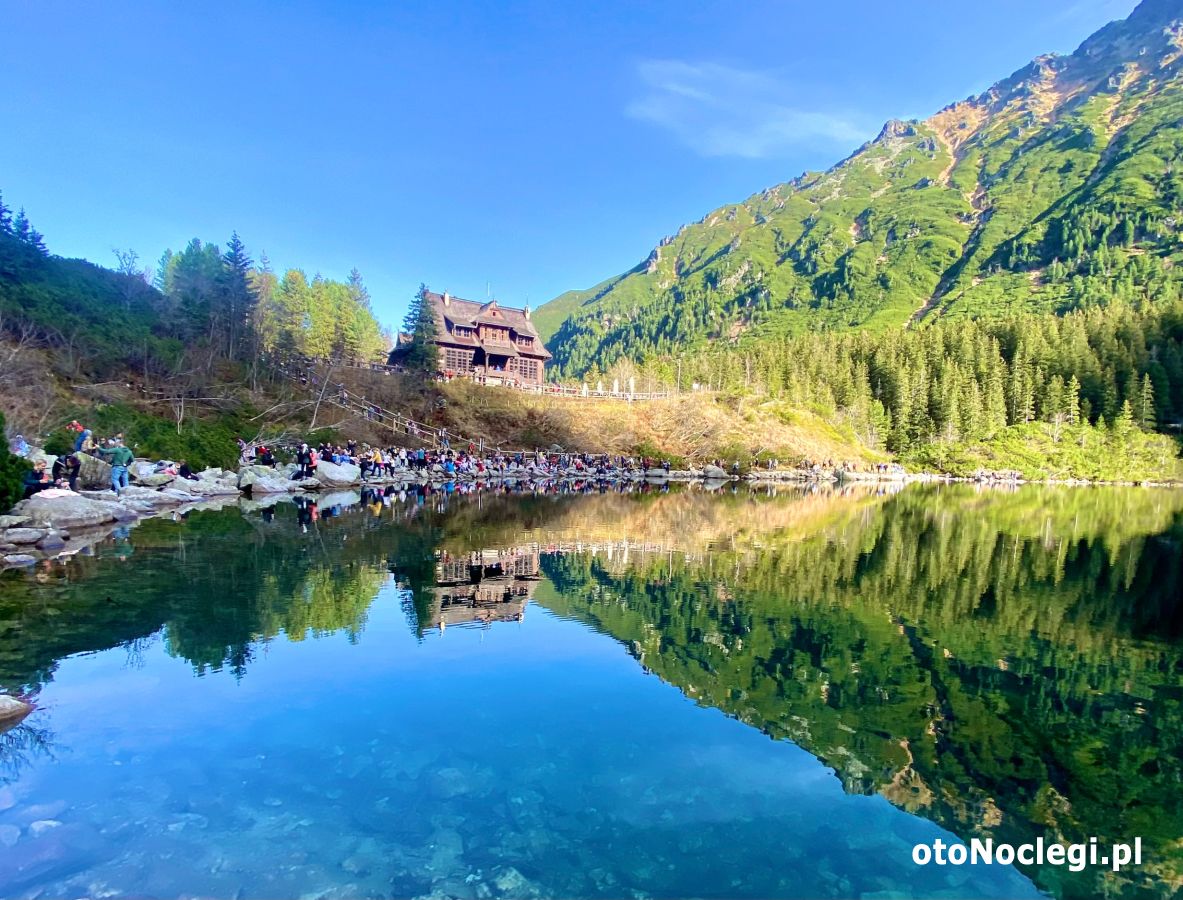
x: 12, y: 474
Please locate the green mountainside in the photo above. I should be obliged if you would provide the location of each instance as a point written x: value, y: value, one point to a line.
x: 1056, y: 189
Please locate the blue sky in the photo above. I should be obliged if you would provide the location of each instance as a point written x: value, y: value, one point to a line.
x: 530, y: 146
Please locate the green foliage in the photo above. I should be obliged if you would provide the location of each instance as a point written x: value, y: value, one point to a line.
x: 422, y: 354
x: 1005, y: 664
x: 12, y: 473
x: 1038, y: 451
x: 936, y: 392
x: 203, y: 441
x: 648, y: 449
x: 60, y: 442
x: 319, y: 318
x: 1033, y: 197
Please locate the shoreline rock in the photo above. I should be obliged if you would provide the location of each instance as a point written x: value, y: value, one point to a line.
x: 12, y: 708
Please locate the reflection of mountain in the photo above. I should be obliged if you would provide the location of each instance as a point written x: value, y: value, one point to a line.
x: 1005, y: 664
x: 1000, y: 662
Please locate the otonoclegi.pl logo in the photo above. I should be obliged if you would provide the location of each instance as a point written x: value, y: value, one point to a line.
x: 1076, y: 857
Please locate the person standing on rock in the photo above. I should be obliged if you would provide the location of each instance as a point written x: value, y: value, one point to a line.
x: 120, y: 458
x: 303, y: 459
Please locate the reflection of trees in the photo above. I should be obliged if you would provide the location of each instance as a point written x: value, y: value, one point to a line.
x: 1003, y: 664
x: 219, y: 584
x: 20, y: 745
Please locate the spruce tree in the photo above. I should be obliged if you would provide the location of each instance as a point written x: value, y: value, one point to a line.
x: 422, y: 356
x: 237, y: 298
x: 1146, y: 415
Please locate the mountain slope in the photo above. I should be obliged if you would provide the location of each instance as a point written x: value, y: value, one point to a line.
x: 1056, y: 188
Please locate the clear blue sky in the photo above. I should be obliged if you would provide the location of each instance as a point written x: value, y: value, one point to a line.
x: 536, y: 146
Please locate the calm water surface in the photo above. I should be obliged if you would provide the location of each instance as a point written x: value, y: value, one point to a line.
x: 658, y: 695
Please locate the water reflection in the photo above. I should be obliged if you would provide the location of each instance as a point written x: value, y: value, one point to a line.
x: 1001, y: 663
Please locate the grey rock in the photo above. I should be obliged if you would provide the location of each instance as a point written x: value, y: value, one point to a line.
x: 51, y: 543
x: 270, y: 483
x: 10, y: 707
x: 24, y: 535
x: 13, y: 521
x: 714, y: 473
x: 93, y: 472
x: 67, y: 511
x: 338, y: 474
x: 19, y: 559
x: 156, y: 480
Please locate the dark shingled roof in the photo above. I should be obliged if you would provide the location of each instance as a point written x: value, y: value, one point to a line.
x: 469, y: 313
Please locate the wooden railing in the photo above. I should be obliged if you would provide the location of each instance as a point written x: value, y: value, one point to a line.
x: 505, y: 379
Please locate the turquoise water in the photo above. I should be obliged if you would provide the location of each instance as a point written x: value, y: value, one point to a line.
x: 229, y: 706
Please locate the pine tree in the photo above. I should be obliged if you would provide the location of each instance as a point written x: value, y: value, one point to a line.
x: 237, y: 298
x: 21, y: 226
x: 1146, y: 416
x: 5, y: 217
x: 1123, y: 422
x: 422, y: 355
x: 1072, y: 400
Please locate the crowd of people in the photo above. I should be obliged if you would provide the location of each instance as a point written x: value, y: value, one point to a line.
x: 386, y: 462
x: 67, y: 467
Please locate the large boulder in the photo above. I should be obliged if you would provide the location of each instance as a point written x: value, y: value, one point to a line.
x: 141, y: 469
x: 714, y: 473
x: 93, y: 472
x: 204, y: 487
x: 256, y: 483
x: 11, y: 708
x: 155, y: 480
x: 338, y: 474
x: 65, y: 509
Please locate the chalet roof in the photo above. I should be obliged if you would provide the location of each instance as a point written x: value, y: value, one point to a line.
x: 467, y: 313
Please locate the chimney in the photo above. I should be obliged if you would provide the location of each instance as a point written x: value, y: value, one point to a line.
x: 447, y: 299
x: 526, y: 310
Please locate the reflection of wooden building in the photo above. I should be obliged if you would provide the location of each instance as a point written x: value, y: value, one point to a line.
x: 493, y: 344
x: 483, y: 586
